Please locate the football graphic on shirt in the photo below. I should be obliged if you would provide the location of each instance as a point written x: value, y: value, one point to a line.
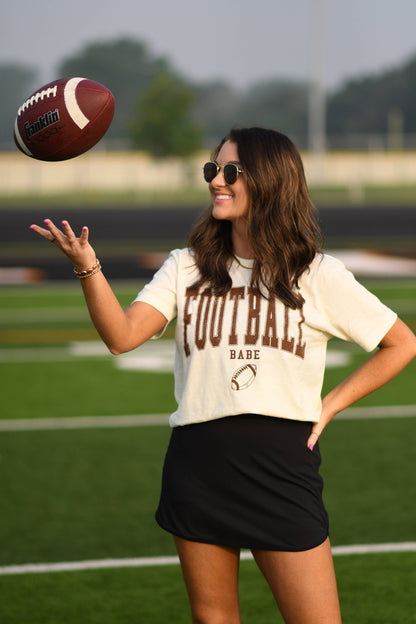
x: 243, y: 377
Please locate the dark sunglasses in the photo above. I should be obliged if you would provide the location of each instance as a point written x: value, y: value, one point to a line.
x: 212, y: 169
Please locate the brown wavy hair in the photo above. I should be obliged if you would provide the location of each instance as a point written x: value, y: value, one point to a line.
x: 282, y: 224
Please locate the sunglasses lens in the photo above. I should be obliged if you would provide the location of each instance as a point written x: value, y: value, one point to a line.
x: 230, y: 173
x: 210, y: 171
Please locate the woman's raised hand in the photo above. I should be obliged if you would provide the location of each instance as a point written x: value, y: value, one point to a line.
x: 78, y: 250
x: 120, y: 330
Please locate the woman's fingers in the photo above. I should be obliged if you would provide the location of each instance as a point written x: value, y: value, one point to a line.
x: 54, y: 231
x: 51, y: 233
x: 69, y: 232
x: 66, y: 238
x: 312, y: 440
x: 47, y: 234
x: 84, y: 235
x: 78, y: 250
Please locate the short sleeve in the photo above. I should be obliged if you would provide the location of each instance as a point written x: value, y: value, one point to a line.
x: 161, y: 291
x: 343, y: 307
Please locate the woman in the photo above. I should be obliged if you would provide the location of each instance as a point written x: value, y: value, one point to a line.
x: 256, y: 303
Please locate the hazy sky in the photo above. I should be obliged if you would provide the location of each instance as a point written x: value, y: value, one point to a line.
x: 240, y: 40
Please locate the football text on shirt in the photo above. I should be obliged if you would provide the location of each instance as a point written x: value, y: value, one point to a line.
x: 211, y: 325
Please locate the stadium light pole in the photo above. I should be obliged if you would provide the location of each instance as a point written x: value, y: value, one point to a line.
x: 317, y: 98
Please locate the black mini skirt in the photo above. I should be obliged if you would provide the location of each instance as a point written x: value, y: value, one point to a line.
x: 245, y: 481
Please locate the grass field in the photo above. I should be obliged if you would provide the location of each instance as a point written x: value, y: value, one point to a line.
x: 90, y: 493
x: 332, y: 195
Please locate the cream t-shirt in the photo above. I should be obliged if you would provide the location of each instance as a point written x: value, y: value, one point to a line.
x: 241, y: 353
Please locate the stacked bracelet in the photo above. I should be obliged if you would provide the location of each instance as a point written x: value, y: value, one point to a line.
x: 88, y: 272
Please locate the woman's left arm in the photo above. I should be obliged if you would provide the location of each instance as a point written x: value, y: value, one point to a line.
x: 394, y: 352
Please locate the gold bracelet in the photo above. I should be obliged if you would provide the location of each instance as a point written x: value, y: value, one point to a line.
x: 88, y: 272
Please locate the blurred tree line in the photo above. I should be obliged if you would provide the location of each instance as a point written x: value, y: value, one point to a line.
x: 159, y: 110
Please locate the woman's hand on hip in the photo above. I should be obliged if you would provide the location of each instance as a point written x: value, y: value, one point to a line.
x: 314, y: 436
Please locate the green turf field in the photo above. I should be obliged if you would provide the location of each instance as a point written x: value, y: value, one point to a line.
x: 90, y: 494
x: 375, y: 195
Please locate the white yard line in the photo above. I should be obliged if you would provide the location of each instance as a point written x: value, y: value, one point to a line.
x: 140, y: 562
x: 385, y: 411
x: 146, y: 420
x: 84, y: 422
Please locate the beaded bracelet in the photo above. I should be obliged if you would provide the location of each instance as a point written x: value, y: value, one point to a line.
x: 88, y: 272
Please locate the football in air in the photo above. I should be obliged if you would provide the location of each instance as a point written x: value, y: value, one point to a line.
x: 63, y: 119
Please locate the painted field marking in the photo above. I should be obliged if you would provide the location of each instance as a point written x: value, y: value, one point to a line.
x: 141, y: 562
x: 157, y: 357
x: 84, y: 422
x: 150, y: 420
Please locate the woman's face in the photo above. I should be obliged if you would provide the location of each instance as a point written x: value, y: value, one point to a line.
x: 230, y: 202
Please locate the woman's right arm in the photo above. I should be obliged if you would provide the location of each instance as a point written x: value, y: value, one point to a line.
x: 121, y: 330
